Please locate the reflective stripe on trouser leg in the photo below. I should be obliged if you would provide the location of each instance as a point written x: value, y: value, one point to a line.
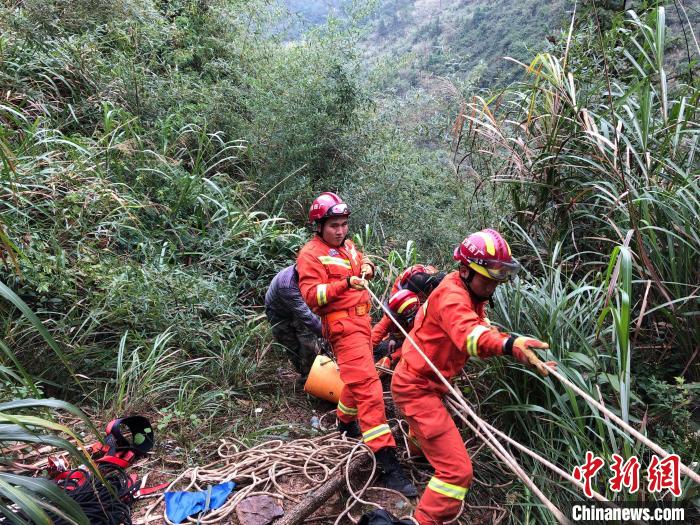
x: 346, y: 410
x: 376, y: 432
x: 362, y: 389
x: 447, y: 489
x: 440, y: 442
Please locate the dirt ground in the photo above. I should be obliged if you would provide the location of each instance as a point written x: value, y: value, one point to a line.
x: 297, y: 411
x: 287, y: 415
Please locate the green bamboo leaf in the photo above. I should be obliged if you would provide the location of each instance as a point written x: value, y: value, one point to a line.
x: 12, y: 517
x: 13, y: 298
x: 26, y: 503
x: 61, y: 504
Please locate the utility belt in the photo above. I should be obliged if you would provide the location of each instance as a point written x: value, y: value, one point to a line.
x: 355, y: 311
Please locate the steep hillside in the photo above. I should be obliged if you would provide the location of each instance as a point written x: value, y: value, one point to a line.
x: 464, y: 38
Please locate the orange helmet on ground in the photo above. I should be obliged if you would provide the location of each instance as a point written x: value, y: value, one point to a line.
x: 327, y: 205
x: 487, y: 253
x: 404, y: 304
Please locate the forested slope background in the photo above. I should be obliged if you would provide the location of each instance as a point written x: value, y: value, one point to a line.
x: 158, y: 160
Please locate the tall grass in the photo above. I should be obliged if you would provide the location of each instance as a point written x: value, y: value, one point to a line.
x: 29, y: 421
x: 130, y: 234
x: 596, y: 153
x: 596, y: 145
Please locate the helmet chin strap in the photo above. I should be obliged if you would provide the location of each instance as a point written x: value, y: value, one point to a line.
x: 467, y: 284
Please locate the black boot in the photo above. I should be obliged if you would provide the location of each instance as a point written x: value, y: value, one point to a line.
x: 382, y: 517
x: 352, y: 429
x: 393, y: 476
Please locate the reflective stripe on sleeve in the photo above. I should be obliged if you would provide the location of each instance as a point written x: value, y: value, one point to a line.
x: 375, y: 432
x: 346, y: 409
x: 473, y: 338
x: 321, y: 294
x: 447, y: 489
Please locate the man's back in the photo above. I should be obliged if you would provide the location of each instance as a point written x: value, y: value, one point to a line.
x: 283, y: 301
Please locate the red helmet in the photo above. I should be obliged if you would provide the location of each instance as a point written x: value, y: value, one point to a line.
x: 327, y: 205
x: 487, y: 253
x: 404, y: 304
x: 413, y: 270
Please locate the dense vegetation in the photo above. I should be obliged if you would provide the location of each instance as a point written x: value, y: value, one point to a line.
x: 150, y: 151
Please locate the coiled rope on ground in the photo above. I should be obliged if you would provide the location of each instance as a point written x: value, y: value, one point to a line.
x: 284, y: 470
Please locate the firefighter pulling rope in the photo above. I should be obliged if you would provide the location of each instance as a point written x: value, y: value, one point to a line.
x: 485, y: 431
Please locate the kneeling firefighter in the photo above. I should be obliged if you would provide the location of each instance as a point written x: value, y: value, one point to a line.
x: 332, y: 275
x: 404, y: 305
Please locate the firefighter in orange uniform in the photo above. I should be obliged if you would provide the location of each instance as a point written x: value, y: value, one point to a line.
x: 387, y: 341
x: 421, y: 279
x: 451, y: 327
x: 332, y: 281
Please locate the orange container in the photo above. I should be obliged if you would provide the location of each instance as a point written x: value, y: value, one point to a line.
x: 324, y: 379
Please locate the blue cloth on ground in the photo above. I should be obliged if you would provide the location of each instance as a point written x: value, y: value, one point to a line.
x: 180, y: 505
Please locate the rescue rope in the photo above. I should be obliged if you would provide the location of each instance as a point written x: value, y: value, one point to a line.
x: 455, y: 408
x: 102, y: 504
x: 265, y: 469
x: 625, y: 426
x: 596, y: 495
x: 485, y: 434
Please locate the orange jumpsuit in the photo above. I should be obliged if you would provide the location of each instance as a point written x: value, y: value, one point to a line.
x: 323, y: 272
x: 385, y: 326
x: 449, y: 329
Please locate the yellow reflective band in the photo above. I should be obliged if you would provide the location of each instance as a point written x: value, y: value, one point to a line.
x: 347, y: 410
x: 406, y: 304
x: 490, y: 247
x: 447, y: 489
x: 321, y: 294
x: 375, y: 432
x: 328, y: 260
x: 473, y: 339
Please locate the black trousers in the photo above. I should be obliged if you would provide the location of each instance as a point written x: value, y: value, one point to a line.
x: 299, y: 342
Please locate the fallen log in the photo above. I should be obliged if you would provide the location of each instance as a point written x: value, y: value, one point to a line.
x: 320, y: 495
